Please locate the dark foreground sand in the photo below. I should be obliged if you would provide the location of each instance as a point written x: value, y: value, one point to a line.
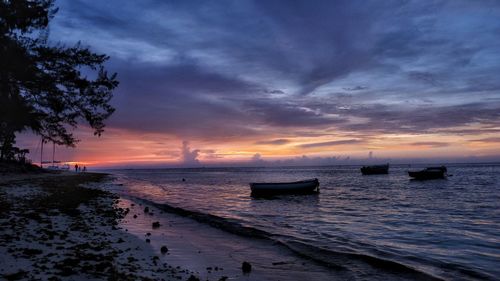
x: 51, y: 228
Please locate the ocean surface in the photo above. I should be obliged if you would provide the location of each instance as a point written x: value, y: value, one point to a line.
x: 448, y: 228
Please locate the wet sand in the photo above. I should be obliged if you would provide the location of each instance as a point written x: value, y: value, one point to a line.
x: 213, y: 253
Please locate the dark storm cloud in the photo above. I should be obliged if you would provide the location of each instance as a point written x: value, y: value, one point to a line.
x: 228, y: 69
x: 181, y: 99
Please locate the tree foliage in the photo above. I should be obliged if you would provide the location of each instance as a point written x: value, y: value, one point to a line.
x: 44, y: 87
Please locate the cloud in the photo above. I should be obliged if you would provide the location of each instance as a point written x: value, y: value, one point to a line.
x: 189, y: 157
x: 193, y: 70
x: 424, y: 77
x: 182, y: 100
x: 430, y: 144
x: 257, y: 159
x: 168, y: 153
x: 487, y: 140
x: 421, y: 119
x: 273, y: 142
x: 356, y: 88
x: 287, y: 114
x: 331, y: 143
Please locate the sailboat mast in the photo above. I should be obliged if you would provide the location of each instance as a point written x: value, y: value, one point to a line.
x: 53, y: 152
x: 41, y: 155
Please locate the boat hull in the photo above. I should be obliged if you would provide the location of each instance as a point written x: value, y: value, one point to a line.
x: 299, y: 187
x: 375, y: 170
x: 427, y: 175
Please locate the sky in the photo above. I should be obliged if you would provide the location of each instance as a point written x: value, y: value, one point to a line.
x: 301, y: 82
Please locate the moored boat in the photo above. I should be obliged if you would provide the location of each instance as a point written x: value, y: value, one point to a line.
x: 429, y: 173
x: 297, y: 187
x: 375, y: 169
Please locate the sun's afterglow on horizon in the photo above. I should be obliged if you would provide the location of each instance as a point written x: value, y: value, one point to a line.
x: 118, y: 148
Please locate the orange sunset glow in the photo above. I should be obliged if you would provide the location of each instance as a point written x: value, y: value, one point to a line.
x: 119, y: 147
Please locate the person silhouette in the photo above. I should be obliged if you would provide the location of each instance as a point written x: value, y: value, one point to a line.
x: 84, y: 168
x: 76, y: 167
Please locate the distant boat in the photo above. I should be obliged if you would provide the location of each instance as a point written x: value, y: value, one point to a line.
x: 297, y: 187
x: 375, y: 169
x: 429, y: 173
x: 64, y: 167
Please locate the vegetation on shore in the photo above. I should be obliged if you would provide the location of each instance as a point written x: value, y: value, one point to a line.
x: 46, y: 88
x: 13, y: 167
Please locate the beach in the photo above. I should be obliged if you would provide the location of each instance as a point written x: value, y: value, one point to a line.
x: 52, y: 228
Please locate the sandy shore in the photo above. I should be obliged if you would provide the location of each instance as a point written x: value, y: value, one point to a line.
x: 54, y: 229
x: 214, y: 254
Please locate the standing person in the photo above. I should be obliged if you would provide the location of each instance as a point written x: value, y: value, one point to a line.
x: 76, y: 167
x: 84, y: 169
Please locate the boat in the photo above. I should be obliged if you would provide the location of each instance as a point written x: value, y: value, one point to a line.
x: 297, y: 187
x: 375, y: 169
x: 429, y: 173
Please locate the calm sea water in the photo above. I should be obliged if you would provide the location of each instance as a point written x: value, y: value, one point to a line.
x: 449, y: 228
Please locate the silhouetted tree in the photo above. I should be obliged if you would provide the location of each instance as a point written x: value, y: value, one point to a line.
x: 46, y: 88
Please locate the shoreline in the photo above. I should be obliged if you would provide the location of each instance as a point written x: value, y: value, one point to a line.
x: 214, y: 254
x: 283, y: 259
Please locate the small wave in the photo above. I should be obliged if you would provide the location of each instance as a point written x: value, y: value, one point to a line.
x: 357, y: 263
x: 228, y: 225
x: 361, y: 264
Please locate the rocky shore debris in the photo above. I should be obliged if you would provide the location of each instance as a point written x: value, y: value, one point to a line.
x: 74, y: 233
x: 246, y: 267
x: 193, y: 278
x: 164, y: 249
x: 155, y: 224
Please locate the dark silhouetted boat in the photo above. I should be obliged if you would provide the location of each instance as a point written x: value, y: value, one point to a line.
x: 429, y: 173
x: 297, y: 187
x: 375, y: 169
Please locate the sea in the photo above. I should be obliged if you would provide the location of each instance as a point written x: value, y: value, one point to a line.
x: 446, y: 228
